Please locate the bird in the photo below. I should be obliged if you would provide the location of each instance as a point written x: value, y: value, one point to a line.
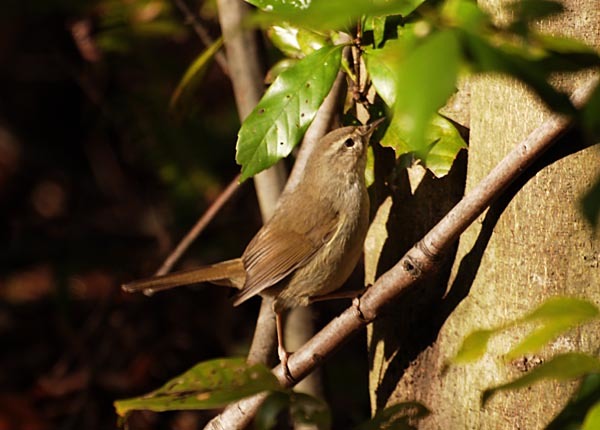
x: 311, y: 244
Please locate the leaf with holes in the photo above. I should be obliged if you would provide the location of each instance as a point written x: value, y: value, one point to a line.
x: 207, y: 385
x: 286, y: 110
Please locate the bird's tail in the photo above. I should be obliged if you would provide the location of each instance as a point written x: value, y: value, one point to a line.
x: 230, y: 273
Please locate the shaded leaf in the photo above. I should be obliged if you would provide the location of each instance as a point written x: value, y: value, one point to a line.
x: 328, y: 14
x: 269, y: 411
x: 587, y: 395
x: 306, y: 409
x: 194, y: 74
x: 555, y: 316
x: 473, y: 347
x: 284, y: 113
x: 531, y: 10
x: 207, y: 385
x: 518, y: 63
x: 590, y: 205
x: 561, y: 368
x: 396, y: 417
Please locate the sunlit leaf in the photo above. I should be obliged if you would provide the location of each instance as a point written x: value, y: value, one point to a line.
x: 574, y: 413
x: 194, y: 74
x: 473, y: 346
x: 207, y: 385
x: 561, y: 368
x: 425, y: 81
x: 396, y: 417
x: 465, y: 14
x: 555, y: 316
x: 376, y: 24
x: 278, y: 68
x: 592, y: 419
x: 328, y: 14
x: 284, y: 113
x: 447, y: 142
x: 294, y: 41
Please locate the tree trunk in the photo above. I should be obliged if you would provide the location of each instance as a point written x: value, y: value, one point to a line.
x: 532, y: 244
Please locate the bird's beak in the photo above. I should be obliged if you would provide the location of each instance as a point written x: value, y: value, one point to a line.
x: 367, y: 130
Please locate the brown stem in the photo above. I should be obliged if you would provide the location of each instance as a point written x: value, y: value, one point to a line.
x: 201, y: 32
x: 200, y: 225
x: 420, y: 261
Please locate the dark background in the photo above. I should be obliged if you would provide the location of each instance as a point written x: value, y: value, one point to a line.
x: 99, y: 179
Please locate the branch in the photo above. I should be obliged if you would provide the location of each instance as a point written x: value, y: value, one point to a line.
x: 420, y: 261
x: 246, y: 77
x: 200, y: 225
x: 191, y: 19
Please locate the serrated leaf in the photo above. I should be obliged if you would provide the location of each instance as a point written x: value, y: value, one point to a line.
x: 592, y: 419
x: 580, y: 404
x: 473, y: 346
x: 555, y: 316
x: 447, y: 142
x: 396, y: 417
x: 194, y: 74
x: 561, y: 368
x: 207, y: 385
x: 284, y: 113
x: 443, y: 139
x: 425, y: 81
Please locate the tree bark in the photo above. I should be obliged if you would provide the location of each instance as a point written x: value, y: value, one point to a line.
x: 531, y: 244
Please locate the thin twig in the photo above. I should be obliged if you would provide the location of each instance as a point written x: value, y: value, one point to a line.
x: 191, y: 19
x: 420, y: 261
x: 200, y: 225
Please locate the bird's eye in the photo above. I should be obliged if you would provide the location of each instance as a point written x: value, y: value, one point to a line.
x: 349, y: 143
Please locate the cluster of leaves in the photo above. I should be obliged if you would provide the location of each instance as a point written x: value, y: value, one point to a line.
x: 415, y: 52
x: 552, y: 318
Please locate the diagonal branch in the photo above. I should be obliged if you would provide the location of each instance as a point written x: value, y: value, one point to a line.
x: 420, y: 261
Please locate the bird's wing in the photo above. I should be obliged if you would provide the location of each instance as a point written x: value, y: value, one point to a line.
x: 275, y: 252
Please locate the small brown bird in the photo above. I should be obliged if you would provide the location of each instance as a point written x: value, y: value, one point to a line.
x: 313, y: 241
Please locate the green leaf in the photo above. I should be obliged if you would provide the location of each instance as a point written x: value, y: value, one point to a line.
x: 269, y: 411
x: 303, y: 409
x: 295, y: 42
x: 328, y: 14
x: 278, y: 68
x: 207, y: 385
x: 284, y: 113
x: 376, y: 24
x: 194, y: 74
x: 555, y: 316
x: 473, y: 347
x: 396, y: 417
x: 425, y: 81
x: 561, y: 368
x: 574, y: 413
x: 465, y: 14
x: 592, y: 419
x: 307, y: 409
